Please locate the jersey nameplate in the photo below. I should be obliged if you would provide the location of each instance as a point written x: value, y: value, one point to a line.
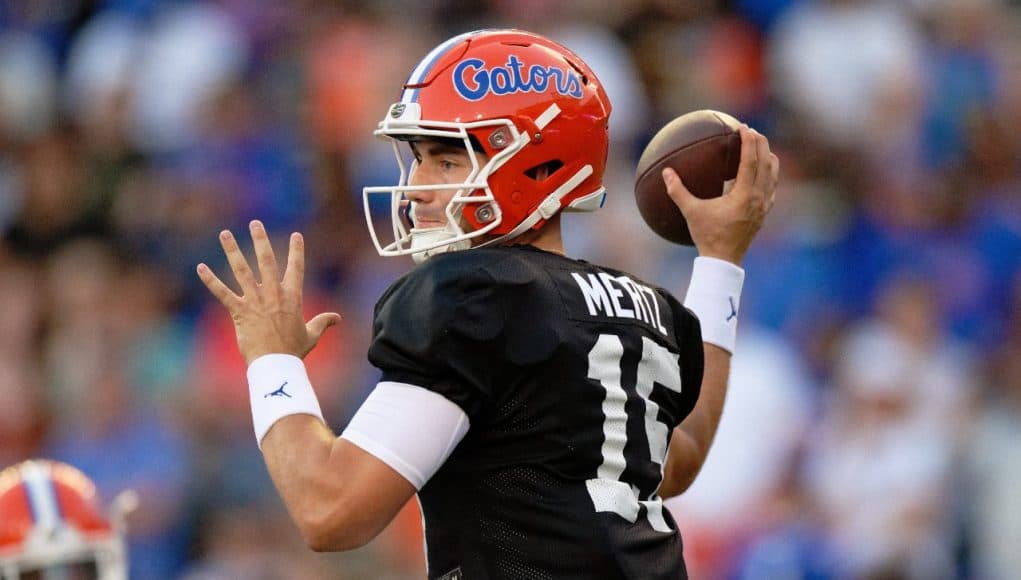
x: 619, y: 297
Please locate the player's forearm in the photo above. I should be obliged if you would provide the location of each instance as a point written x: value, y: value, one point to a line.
x: 296, y: 450
x: 691, y: 440
x: 339, y: 496
x: 294, y: 439
x: 714, y: 296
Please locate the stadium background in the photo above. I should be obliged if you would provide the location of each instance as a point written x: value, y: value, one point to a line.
x: 873, y: 427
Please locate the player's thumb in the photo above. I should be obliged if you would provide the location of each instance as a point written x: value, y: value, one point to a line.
x: 318, y: 325
x: 677, y: 191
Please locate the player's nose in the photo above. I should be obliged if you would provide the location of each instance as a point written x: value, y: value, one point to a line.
x: 418, y: 196
x: 418, y: 176
x: 422, y: 176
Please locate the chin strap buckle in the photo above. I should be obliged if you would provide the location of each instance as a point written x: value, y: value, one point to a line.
x: 549, y: 207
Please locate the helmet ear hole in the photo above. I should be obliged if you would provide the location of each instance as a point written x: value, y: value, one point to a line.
x: 544, y: 171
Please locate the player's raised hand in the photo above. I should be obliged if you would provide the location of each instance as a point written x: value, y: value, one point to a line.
x: 268, y: 314
x: 725, y: 226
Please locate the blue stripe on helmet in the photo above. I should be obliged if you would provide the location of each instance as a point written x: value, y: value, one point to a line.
x: 421, y: 71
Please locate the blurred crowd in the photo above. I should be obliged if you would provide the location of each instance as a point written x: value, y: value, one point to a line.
x: 873, y: 426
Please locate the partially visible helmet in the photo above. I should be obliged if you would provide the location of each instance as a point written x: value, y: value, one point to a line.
x: 51, y: 525
x: 524, y: 101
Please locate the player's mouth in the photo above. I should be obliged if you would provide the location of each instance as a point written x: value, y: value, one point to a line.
x: 423, y: 223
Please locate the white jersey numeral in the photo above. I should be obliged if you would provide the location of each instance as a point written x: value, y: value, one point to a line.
x: 658, y: 365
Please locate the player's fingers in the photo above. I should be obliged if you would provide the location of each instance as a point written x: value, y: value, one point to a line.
x: 294, y: 275
x: 774, y: 177
x: 764, y: 173
x: 677, y: 191
x: 264, y: 256
x: 318, y: 325
x: 217, y: 287
x: 774, y: 170
x: 238, y: 263
x: 747, y: 168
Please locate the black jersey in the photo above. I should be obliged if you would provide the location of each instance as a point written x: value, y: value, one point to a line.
x: 573, y: 377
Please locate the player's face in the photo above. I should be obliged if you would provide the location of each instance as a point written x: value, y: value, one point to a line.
x: 437, y: 163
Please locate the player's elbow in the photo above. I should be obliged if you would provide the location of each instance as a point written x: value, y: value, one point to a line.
x: 318, y: 541
x: 333, y: 521
x: 336, y: 529
x: 685, y: 459
x: 676, y: 483
x: 331, y: 541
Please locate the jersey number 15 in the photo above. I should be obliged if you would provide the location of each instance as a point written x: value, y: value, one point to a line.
x: 658, y: 365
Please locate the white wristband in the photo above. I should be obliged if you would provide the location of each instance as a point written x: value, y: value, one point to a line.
x: 714, y: 295
x: 278, y: 386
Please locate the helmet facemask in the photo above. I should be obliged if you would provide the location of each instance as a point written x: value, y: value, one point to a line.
x: 475, y: 190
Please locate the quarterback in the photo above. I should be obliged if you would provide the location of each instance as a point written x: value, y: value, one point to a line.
x: 539, y: 406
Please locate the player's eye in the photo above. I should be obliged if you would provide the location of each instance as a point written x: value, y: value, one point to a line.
x: 448, y: 165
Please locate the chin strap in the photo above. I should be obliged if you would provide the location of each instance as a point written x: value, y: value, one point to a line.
x: 425, y: 237
x: 549, y: 206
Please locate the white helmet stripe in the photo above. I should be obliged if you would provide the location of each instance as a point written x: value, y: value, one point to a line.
x: 41, y: 495
x: 548, y: 115
x: 425, y: 65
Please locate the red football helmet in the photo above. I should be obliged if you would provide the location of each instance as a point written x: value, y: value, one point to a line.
x: 51, y: 525
x: 523, y: 101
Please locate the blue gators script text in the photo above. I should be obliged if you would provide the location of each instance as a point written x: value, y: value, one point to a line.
x: 473, y: 81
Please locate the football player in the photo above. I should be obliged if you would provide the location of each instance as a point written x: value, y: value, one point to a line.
x: 539, y: 406
x: 52, y: 528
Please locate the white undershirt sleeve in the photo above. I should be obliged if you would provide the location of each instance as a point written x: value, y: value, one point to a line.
x: 411, y: 429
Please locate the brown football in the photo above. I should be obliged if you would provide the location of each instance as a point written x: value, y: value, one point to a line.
x: 704, y: 148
